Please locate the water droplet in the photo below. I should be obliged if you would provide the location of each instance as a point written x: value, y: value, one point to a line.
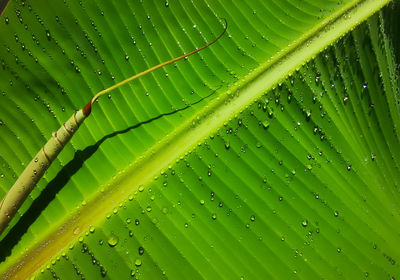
x: 6, y: 20
x: 141, y: 188
x: 166, y: 4
x: 48, y: 35
x: 339, y: 250
x: 214, y: 216
x: 128, y: 220
x: 137, y: 222
x: 194, y: 25
x: 112, y: 240
x: 308, y: 114
x: 130, y: 233
x: 141, y: 250
x: 349, y: 167
x: 103, y: 272
x: 336, y: 214
x: 252, y: 218
x: 92, y: 229
x: 138, y: 262
x: 126, y: 57
x: 227, y: 145
x: 202, y: 202
x: 148, y: 208
x: 304, y: 223
x: 265, y: 124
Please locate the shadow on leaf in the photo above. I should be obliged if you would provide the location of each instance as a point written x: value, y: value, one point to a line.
x: 63, y: 176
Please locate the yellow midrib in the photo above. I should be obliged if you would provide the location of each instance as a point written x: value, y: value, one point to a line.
x: 208, y: 120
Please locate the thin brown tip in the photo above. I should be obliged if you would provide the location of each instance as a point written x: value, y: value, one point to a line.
x: 87, y: 109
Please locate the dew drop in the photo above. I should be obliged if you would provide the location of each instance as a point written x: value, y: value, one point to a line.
x: 214, y: 216
x: 336, y: 213
x: 308, y: 114
x: 112, y: 240
x: 141, y: 250
x: 304, y: 223
x: 252, y: 218
x: 166, y: 4
x: 202, y: 202
x: 48, y: 35
x: 138, y: 262
x: 103, y: 272
x: 227, y: 145
x: 126, y: 57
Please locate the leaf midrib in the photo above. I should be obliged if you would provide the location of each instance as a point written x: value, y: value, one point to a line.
x: 185, y: 138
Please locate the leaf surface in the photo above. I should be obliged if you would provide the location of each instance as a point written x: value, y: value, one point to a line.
x: 220, y: 166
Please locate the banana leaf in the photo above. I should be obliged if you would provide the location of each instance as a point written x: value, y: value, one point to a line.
x: 274, y: 153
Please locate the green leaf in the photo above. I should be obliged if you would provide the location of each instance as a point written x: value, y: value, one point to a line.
x: 244, y: 161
